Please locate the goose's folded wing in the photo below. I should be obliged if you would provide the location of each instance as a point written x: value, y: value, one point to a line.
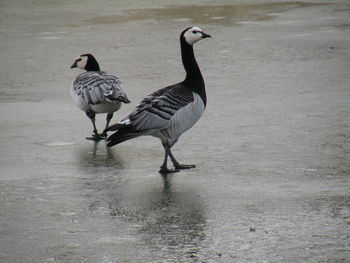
x: 155, y: 111
x: 96, y: 87
x: 117, y: 89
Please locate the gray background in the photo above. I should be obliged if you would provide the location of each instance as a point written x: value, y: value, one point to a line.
x: 272, y: 149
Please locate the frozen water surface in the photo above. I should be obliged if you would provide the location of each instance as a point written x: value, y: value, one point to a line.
x: 272, y: 149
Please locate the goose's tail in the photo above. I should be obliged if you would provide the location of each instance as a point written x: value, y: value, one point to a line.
x: 123, y: 133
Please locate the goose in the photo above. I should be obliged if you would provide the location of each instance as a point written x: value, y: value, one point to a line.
x: 170, y: 111
x: 96, y: 91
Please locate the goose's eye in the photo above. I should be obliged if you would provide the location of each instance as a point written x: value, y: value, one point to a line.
x: 194, y: 32
x: 79, y: 59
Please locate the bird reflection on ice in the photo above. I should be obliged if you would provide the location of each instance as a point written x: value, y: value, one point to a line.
x: 171, y: 220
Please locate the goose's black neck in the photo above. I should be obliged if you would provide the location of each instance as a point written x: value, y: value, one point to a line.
x: 194, y: 80
x: 92, y: 64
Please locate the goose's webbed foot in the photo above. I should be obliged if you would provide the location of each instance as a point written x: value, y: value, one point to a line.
x: 166, y: 170
x: 179, y: 166
x: 97, y: 137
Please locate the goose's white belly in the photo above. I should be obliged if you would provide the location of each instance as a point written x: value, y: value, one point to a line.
x: 182, y: 120
x: 105, y: 107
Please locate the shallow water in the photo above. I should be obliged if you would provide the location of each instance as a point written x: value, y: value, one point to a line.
x: 272, y: 149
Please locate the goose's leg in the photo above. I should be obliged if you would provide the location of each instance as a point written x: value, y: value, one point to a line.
x: 95, y: 136
x: 164, y: 168
x: 177, y: 165
x: 108, y: 120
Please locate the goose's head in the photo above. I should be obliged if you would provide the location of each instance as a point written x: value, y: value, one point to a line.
x: 193, y: 34
x: 86, y: 62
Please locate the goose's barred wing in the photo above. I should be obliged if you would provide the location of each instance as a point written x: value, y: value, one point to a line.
x: 118, y: 88
x: 152, y: 114
x: 156, y: 110
x: 97, y: 87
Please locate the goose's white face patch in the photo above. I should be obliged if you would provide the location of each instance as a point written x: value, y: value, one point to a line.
x: 81, y: 62
x: 193, y: 34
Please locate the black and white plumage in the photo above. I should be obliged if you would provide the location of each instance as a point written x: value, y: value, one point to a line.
x: 96, y: 91
x: 170, y: 111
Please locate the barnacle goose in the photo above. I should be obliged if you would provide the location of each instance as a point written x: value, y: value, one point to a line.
x: 96, y: 91
x: 170, y: 111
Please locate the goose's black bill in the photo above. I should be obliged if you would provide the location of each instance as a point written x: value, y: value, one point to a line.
x: 205, y: 35
x: 74, y: 65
